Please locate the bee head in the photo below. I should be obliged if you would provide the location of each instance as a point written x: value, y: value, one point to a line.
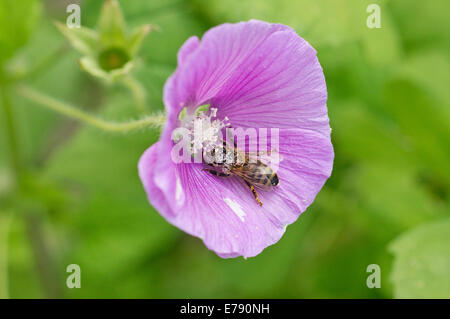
x: 274, y: 180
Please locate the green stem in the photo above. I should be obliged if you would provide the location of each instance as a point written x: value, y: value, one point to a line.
x: 10, y: 131
x: 137, y: 90
x: 44, y: 64
x: 75, y: 113
x: 5, y: 221
x: 44, y: 261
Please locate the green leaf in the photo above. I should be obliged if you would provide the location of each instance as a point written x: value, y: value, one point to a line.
x: 261, y: 274
x: 361, y: 134
x: 422, y: 262
x: 401, y: 202
x: 17, y: 20
x: 429, y: 69
x: 136, y: 38
x: 82, y: 39
x: 421, y: 120
x: 91, y: 66
x: 111, y: 25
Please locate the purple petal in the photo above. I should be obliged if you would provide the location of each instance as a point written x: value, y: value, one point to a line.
x: 223, y: 50
x: 280, y: 85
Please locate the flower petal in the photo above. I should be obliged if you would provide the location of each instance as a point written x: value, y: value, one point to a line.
x: 189, y: 46
x: 146, y: 174
x: 222, y: 50
x: 281, y: 85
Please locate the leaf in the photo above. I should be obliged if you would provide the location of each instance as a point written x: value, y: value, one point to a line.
x: 17, y: 21
x: 422, y: 261
x: 361, y: 134
x: 82, y: 39
x: 253, y: 277
x: 136, y: 38
x: 111, y: 25
x: 91, y: 66
x: 422, y: 121
x: 383, y: 167
x: 394, y: 196
x: 430, y: 70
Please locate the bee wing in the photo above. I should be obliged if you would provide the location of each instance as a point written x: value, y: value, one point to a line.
x: 268, y: 157
x: 246, y: 175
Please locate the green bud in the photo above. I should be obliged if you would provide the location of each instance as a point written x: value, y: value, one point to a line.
x: 109, y: 53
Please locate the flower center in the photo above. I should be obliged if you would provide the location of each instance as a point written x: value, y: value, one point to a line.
x: 113, y: 58
x: 201, y: 130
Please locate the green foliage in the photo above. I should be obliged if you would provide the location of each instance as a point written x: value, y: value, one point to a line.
x: 388, y: 106
x: 113, y: 227
x: 82, y: 39
x: 322, y: 22
x: 17, y: 21
x: 422, y: 261
x: 422, y: 25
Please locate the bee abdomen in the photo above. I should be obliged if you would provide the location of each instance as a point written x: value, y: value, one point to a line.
x: 262, y: 175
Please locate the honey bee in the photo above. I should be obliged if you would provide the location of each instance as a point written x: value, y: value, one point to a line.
x: 255, y: 174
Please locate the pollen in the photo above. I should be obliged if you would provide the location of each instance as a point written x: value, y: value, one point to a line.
x: 202, y: 130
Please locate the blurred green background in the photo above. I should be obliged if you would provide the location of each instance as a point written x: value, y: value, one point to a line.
x: 78, y: 199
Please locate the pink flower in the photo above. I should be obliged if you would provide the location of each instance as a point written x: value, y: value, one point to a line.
x: 257, y: 75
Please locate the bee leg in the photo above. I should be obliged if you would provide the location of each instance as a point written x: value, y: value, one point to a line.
x: 216, y: 173
x: 255, y: 194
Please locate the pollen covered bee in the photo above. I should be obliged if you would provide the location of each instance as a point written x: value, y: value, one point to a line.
x: 252, y: 171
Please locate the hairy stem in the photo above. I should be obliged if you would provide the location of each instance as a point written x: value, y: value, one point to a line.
x: 76, y: 113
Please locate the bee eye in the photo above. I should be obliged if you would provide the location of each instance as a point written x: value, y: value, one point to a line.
x: 275, y: 181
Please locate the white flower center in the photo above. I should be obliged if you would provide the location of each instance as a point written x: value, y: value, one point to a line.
x: 202, y: 130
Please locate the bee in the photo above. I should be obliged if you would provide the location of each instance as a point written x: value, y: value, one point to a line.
x: 254, y: 173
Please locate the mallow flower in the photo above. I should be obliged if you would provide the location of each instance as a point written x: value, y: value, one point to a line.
x: 251, y: 75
